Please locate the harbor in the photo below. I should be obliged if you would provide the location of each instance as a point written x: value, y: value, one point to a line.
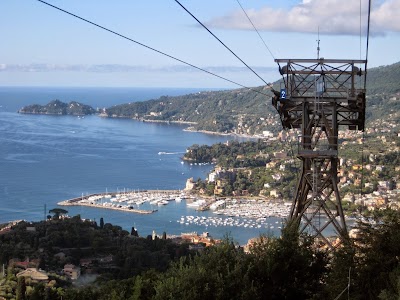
x: 125, y: 201
x: 177, y: 211
x: 256, y: 211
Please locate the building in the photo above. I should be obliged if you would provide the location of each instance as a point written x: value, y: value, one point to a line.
x: 190, y: 184
x: 34, y: 274
x: 275, y: 193
x: 72, y: 271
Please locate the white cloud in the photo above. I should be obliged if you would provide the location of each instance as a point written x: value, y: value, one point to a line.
x: 387, y: 16
x: 336, y: 17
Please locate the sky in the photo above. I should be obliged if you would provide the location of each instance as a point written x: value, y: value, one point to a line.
x: 42, y: 46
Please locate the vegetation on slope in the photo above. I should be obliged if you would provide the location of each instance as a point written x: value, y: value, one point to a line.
x: 244, y: 111
x: 57, y: 107
x: 384, y: 79
x: 223, y: 111
x: 288, y: 267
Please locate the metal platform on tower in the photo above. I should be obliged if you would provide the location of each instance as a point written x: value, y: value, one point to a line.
x: 320, y: 97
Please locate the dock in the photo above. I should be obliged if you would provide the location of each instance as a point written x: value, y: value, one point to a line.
x: 91, y: 200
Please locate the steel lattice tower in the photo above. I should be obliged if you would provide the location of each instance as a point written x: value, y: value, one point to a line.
x: 319, y: 96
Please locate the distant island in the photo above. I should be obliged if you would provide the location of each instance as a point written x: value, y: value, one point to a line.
x: 57, y: 107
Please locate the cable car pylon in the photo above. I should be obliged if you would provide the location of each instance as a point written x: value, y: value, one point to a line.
x: 319, y: 97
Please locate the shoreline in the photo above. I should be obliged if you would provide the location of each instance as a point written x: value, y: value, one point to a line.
x: 187, y: 129
x: 138, y: 211
x: 91, y: 200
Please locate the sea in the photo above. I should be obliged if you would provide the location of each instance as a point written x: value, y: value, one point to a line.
x: 47, y: 159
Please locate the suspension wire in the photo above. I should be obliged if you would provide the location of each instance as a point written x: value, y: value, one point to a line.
x: 348, y: 285
x: 347, y: 288
x: 362, y: 141
x: 256, y: 29
x: 150, y: 48
x: 365, y: 87
x: 362, y: 163
x: 360, y: 26
x: 288, y: 139
x: 270, y: 52
x: 290, y: 142
x: 205, y: 27
x: 366, y: 52
x: 360, y: 38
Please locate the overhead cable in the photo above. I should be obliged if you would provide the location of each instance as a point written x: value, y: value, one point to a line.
x: 366, y: 52
x: 205, y: 27
x: 148, y: 47
x: 256, y: 30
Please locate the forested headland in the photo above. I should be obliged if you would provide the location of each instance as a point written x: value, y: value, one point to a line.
x: 249, y: 111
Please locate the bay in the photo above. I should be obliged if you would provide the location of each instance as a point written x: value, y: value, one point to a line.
x: 46, y: 159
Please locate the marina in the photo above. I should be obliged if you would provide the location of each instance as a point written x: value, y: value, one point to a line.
x: 125, y: 201
x: 257, y: 214
x: 260, y: 223
x: 241, y: 212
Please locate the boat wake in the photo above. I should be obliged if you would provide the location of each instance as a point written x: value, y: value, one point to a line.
x: 170, y: 153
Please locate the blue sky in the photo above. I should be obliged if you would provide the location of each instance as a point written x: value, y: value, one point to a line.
x: 41, y: 46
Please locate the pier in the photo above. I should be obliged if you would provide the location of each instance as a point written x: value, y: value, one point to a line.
x: 123, y: 201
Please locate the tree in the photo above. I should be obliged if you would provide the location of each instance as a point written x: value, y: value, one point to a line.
x: 288, y: 267
x: 57, y: 212
x: 134, y: 232
x: 373, y: 258
x: 101, y: 223
x: 21, y: 288
x: 218, y: 273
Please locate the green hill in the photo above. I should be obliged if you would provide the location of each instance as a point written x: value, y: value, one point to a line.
x: 241, y: 111
x: 56, y: 107
x: 245, y: 111
x: 384, y: 79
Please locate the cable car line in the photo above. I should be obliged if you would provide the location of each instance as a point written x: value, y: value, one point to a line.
x: 150, y: 48
x: 205, y: 27
x: 365, y: 88
x: 366, y: 51
x: 256, y: 29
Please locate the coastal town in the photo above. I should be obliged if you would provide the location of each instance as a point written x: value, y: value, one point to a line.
x: 367, y: 179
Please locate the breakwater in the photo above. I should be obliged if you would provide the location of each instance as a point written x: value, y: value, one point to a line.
x: 125, y: 201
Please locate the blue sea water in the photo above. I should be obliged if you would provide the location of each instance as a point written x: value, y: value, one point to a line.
x: 46, y: 159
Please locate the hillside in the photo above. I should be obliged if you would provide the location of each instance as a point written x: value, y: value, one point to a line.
x: 56, y: 107
x: 244, y: 111
x: 384, y: 80
x: 240, y: 111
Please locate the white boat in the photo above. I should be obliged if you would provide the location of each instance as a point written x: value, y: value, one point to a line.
x: 155, y: 201
x: 217, y: 204
x: 197, y: 203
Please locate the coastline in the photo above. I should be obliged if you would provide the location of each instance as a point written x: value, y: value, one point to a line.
x: 138, y: 211
x: 188, y: 129
x: 191, y: 129
x: 100, y: 200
